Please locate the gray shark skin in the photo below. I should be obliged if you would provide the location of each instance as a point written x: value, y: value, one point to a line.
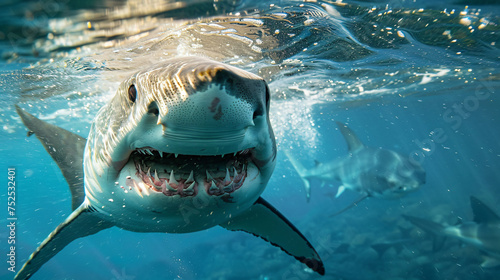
x: 372, y: 172
x: 183, y: 146
x: 483, y: 232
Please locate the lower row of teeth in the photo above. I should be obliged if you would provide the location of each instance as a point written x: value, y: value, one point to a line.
x: 172, y: 186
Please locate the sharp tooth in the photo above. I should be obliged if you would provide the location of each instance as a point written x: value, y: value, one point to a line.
x: 170, y: 188
x: 172, y: 178
x: 209, y: 177
x: 133, y: 185
x: 161, y: 154
x: 235, y: 154
x: 149, y: 152
x: 156, y: 177
x: 213, y: 187
x: 144, y: 188
x: 228, y: 188
x: 190, y: 188
x: 222, y: 155
x: 227, y: 179
x: 176, y: 155
x: 138, y: 191
x: 190, y: 178
x: 158, y: 188
x: 235, y: 173
x: 149, y: 173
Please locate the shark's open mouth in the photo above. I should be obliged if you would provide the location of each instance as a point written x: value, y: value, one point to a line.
x: 184, y: 175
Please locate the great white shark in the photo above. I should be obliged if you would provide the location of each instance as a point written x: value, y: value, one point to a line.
x: 483, y: 232
x: 183, y: 146
x: 372, y: 172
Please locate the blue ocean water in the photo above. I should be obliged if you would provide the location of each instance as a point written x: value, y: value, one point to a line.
x: 396, y: 72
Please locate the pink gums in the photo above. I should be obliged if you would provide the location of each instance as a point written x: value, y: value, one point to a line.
x: 224, y: 186
x: 183, y: 188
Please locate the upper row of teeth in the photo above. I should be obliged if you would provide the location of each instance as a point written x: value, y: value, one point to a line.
x: 149, y: 152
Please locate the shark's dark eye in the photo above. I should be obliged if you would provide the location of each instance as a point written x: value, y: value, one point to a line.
x: 132, y: 93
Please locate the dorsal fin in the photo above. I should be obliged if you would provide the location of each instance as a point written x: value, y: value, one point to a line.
x: 482, y: 213
x: 65, y: 147
x: 353, y: 142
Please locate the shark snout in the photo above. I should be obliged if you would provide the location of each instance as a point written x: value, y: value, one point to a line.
x: 211, y: 110
x: 208, y: 122
x: 188, y: 140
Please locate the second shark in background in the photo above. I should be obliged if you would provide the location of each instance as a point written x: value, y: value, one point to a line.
x: 372, y: 172
x: 483, y: 232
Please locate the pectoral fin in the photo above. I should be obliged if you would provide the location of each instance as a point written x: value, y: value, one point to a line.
x: 340, y: 191
x: 82, y: 222
x: 265, y: 221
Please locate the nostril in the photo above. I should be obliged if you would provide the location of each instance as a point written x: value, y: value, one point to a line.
x: 257, y: 113
x: 153, y: 109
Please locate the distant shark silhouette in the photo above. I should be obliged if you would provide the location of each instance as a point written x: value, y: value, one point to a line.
x: 372, y: 172
x: 483, y: 232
